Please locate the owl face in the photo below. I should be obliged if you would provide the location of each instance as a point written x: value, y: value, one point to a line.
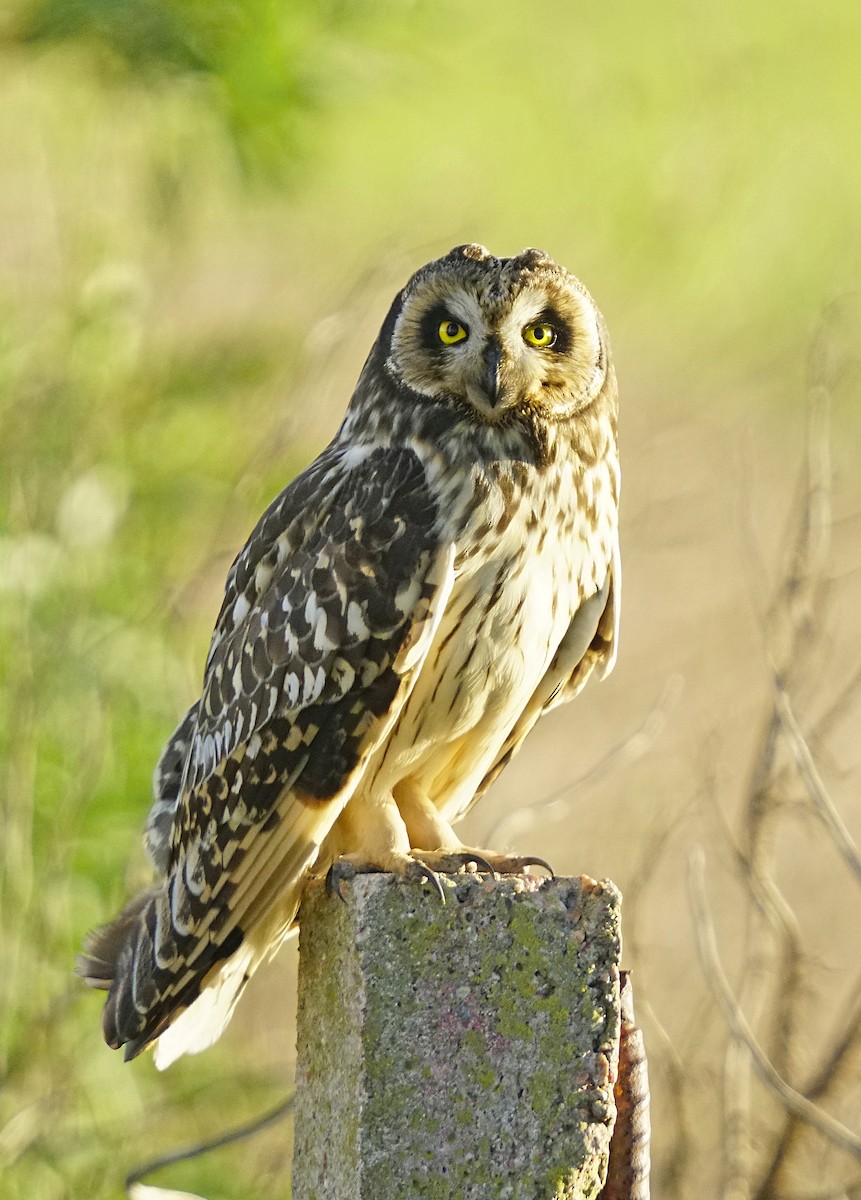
x: 501, y: 335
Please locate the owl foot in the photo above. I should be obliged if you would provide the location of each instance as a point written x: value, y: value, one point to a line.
x: 449, y: 862
x: 343, y: 870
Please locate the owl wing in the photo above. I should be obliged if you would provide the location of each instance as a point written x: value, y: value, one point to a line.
x: 166, y: 787
x: 327, y: 617
x: 599, y: 655
x: 588, y: 647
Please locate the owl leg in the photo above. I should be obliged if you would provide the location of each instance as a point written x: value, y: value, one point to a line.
x: 435, y: 844
x: 370, y: 836
x: 427, y: 828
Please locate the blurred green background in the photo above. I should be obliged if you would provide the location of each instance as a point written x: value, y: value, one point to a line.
x: 205, y: 208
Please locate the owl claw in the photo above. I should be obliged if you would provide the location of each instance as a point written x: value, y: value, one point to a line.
x: 339, y: 871
x: 425, y: 872
x: 481, y: 862
x: 449, y: 862
x: 426, y: 866
x: 343, y: 871
x: 531, y: 860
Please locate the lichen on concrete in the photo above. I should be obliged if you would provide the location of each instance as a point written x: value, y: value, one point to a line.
x: 464, y: 1050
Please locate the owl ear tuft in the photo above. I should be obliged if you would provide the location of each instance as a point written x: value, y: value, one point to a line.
x: 533, y: 257
x: 473, y: 250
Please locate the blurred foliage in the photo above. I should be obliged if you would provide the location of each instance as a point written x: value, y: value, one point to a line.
x: 91, y: 678
x: 266, y: 66
x: 174, y: 345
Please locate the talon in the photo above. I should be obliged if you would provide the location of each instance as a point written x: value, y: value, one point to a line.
x: 480, y: 861
x: 450, y: 861
x: 335, y: 876
x: 432, y: 878
x: 447, y: 862
x: 530, y: 861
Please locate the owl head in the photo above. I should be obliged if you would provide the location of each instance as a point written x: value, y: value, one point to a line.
x: 503, y: 336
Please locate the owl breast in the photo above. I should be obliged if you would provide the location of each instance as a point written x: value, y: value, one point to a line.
x: 527, y: 557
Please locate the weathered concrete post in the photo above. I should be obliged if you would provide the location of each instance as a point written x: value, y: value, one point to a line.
x: 465, y: 1050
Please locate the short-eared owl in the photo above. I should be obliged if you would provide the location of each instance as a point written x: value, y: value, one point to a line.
x: 403, y: 613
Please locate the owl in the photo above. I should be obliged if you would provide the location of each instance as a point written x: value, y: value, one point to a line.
x: 444, y: 572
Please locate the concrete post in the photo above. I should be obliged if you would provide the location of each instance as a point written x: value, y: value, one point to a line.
x: 465, y: 1051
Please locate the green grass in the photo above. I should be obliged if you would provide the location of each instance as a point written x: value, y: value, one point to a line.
x: 178, y: 337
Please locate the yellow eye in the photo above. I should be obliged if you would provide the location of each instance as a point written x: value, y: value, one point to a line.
x: 452, y: 332
x: 541, y: 335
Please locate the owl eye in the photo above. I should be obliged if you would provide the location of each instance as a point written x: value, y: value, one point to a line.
x: 541, y: 334
x: 452, y: 332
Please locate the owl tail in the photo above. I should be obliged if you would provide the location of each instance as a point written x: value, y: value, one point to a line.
x: 144, y: 1006
x: 197, y: 1027
x: 203, y: 1022
x: 97, y: 962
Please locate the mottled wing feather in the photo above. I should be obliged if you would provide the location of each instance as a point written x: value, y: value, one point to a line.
x: 327, y: 617
x: 166, y: 787
x: 289, y: 520
x: 589, y: 646
x: 316, y: 607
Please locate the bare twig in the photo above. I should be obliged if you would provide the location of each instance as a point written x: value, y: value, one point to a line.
x: 136, y: 1190
x: 792, y: 1100
x: 790, y: 628
x: 816, y: 789
x: 672, y: 1064
x: 772, y: 973
x: 558, y: 803
x: 826, y: 1076
x: 836, y: 710
x: 785, y: 941
x: 736, y: 1123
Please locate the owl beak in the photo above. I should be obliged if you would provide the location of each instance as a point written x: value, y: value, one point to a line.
x: 491, y: 360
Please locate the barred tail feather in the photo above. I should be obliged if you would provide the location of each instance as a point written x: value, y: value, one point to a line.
x: 97, y: 962
x: 174, y: 1006
x: 149, y: 982
x: 203, y: 1022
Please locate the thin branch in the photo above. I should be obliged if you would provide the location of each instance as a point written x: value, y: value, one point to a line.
x: 809, y: 553
x: 135, y: 1190
x: 850, y: 1036
x: 792, y: 1100
x: 736, y: 1123
x: 816, y: 789
x: 819, y: 1085
x: 777, y: 923
x: 836, y: 710
x: 756, y: 858
x: 628, y: 750
x: 793, y: 630
x: 679, y: 1153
